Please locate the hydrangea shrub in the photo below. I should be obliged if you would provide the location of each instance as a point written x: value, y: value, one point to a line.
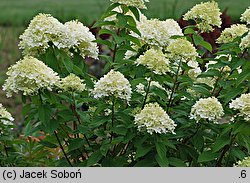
x: 165, y: 97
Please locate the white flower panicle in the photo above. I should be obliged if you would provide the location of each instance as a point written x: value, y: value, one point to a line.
x: 28, y: 76
x: 244, y: 163
x: 245, y: 42
x: 195, y: 70
x: 154, y: 119
x: 72, y: 83
x: 113, y: 84
x: 136, y: 3
x: 42, y: 30
x: 242, y: 104
x: 79, y: 38
x: 5, y: 116
x: 157, y: 33
x: 181, y: 49
x: 206, y: 15
x: 207, y: 108
x: 155, y: 60
x: 229, y: 34
x: 45, y: 29
x: 245, y: 17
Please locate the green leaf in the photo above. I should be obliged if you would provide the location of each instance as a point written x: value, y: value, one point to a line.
x: 198, y: 40
x: 235, y: 151
x: 207, y: 156
x: 176, y: 162
x: 122, y: 20
x: 201, y: 89
x: 103, y: 23
x: 242, y: 77
x: 75, y: 144
x: 105, y: 42
x: 134, y: 29
x: 112, y: 6
x: 161, y: 150
x: 162, y: 162
x: 44, y: 113
x: 135, y: 12
x: 198, y: 140
x: 82, y: 129
x: 133, y: 39
x: 207, y: 45
x: 159, y: 92
x: 106, y: 31
x: 221, y: 142
x: 105, y: 147
x: 120, y: 129
x: 147, y: 162
x: 67, y: 62
x: 94, y: 158
x: 210, y: 73
x: 142, y: 151
x: 48, y: 144
x: 231, y: 94
x: 246, y: 140
x: 189, y: 31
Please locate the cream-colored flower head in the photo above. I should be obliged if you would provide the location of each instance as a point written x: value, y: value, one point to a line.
x: 78, y: 37
x: 206, y: 15
x: 155, y: 60
x: 195, y: 69
x: 157, y: 33
x: 245, y: 42
x: 28, y: 76
x: 72, y: 83
x: 42, y: 30
x: 207, y: 108
x: 113, y: 84
x: 244, y: 163
x: 181, y: 49
x: 229, y: 34
x: 5, y: 116
x: 45, y: 30
x: 136, y: 3
x: 245, y: 17
x: 242, y: 104
x: 154, y: 119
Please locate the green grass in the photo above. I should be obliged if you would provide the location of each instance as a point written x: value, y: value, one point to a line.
x: 19, y: 12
